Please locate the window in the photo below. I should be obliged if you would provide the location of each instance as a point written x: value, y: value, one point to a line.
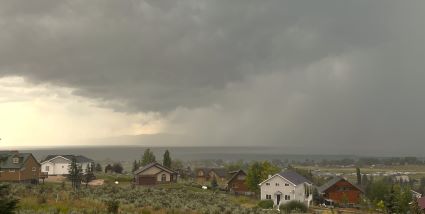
x: 11, y: 170
x: 286, y: 185
x: 163, y: 178
x: 277, y: 184
x: 269, y: 197
x: 15, y: 160
x: 200, y: 173
x: 234, y: 186
x: 34, y: 169
x: 47, y: 168
x: 287, y: 197
x: 267, y: 184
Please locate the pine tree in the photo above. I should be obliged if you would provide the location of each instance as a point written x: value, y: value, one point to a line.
x: 167, y: 159
x: 108, y: 168
x: 75, y: 174
x: 359, y: 176
x: 8, y: 204
x: 88, y: 176
x: 148, y: 157
x: 365, y: 180
x: 391, y: 202
x: 98, y: 167
x: 135, y: 166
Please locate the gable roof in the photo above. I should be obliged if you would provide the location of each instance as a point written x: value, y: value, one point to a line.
x: 221, y: 172
x: 79, y: 158
x: 6, y: 159
x: 152, y: 165
x: 235, y: 174
x: 291, y: 176
x: 294, y: 177
x: 333, y: 181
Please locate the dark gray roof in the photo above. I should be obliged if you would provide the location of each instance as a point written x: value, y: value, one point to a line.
x: 294, y: 177
x: 151, y: 165
x: 6, y: 159
x: 235, y: 173
x: 332, y: 182
x: 79, y: 158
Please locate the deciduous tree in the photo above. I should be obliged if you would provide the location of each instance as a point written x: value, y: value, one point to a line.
x: 148, y: 157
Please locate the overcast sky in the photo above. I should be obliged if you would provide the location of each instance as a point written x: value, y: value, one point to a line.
x: 325, y: 76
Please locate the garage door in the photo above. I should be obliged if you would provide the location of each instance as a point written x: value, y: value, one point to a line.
x: 147, y: 180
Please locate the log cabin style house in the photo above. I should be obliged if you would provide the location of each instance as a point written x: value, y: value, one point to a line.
x: 237, y: 183
x: 19, y: 167
x: 204, y: 176
x: 341, y: 191
x: 153, y: 174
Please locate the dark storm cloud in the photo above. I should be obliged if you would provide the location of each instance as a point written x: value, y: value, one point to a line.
x: 307, y: 73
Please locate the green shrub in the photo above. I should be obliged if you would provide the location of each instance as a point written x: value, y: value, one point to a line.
x: 293, y: 206
x: 266, y: 204
x: 112, y: 206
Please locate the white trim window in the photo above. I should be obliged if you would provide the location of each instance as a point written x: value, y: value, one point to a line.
x: 267, y: 184
x: 34, y: 169
x: 269, y: 197
x: 287, y: 197
x: 11, y: 170
x: 15, y: 160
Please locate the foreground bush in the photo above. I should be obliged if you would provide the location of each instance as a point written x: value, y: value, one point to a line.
x: 8, y: 203
x: 293, y: 206
x: 266, y: 204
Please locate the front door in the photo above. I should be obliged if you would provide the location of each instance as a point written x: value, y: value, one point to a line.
x: 277, y: 199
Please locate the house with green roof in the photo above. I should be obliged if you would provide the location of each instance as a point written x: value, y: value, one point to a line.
x: 19, y: 167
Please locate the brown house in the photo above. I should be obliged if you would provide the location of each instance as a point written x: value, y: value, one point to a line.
x: 19, y: 167
x: 153, y: 174
x: 341, y: 191
x: 204, y: 176
x: 236, y: 184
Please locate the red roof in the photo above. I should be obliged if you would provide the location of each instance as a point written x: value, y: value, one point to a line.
x: 421, y: 202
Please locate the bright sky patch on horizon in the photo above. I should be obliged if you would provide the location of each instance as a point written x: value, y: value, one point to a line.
x: 46, y: 115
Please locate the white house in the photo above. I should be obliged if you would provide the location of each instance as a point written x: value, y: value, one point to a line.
x: 60, y: 164
x: 287, y: 186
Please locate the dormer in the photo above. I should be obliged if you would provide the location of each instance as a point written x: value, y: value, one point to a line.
x: 15, y: 160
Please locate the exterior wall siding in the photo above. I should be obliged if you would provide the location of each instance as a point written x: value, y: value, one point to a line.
x: 277, y: 185
x: 342, y: 191
x: 25, y: 174
x: 31, y: 171
x: 60, y: 166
